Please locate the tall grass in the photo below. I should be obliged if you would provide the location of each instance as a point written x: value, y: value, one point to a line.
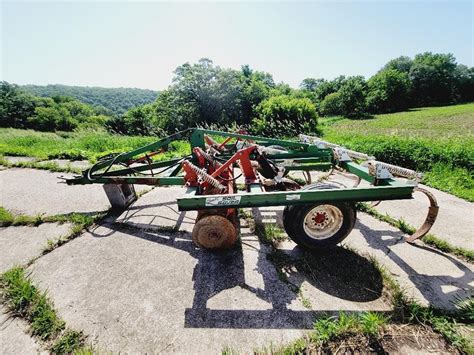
x: 74, y: 145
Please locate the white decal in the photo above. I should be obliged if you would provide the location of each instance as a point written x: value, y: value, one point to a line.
x: 292, y: 197
x: 223, y: 200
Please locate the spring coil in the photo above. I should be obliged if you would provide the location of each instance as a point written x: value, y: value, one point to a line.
x: 211, y: 159
x: 351, y: 153
x: 201, y: 173
x: 395, y: 170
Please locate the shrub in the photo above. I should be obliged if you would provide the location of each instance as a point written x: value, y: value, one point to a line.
x: 331, y: 105
x: 284, y: 116
x: 52, y: 118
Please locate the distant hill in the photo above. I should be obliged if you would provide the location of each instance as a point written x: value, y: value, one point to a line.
x: 115, y: 100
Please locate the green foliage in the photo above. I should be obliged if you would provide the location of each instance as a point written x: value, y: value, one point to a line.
x: 443, y: 324
x: 402, y: 64
x: 433, y: 78
x: 330, y: 328
x: 21, y: 110
x: 455, y: 180
x: 284, y: 116
x: 6, y: 217
x: 24, y: 299
x: 434, y: 140
x: 139, y: 120
x: 15, y: 106
x: 388, y: 91
x: 108, y: 101
x: 270, y: 233
x: 465, y: 308
x: 68, y: 343
x: 352, y: 95
x: 331, y: 105
x: 203, y: 94
x: 371, y: 322
x: 82, y: 145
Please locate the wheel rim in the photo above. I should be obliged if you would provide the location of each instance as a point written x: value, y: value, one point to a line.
x: 323, y: 221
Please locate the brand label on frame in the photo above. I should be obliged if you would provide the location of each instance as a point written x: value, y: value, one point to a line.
x: 223, y: 201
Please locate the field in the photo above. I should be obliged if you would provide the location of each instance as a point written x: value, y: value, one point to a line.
x: 438, y: 141
x: 73, y: 145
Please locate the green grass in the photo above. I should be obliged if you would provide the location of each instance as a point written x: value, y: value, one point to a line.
x: 80, y: 220
x: 7, y: 218
x: 42, y: 165
x: 70, y: 342
x: 23, y: 299
x: 429, y: 239
x: 270, y: 233
x: 436, y: 140
x: 456, y: 181
x: 429, y: 122
x: 330, y: 328
x: 76, y: 145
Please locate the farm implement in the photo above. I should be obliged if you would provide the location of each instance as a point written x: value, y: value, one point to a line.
x: 316, y: 215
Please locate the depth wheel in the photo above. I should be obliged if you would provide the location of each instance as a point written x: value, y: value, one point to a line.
x: 321, y: 225
x: 214, y: 232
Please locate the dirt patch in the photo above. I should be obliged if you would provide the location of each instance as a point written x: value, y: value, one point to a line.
x: 396, y: 339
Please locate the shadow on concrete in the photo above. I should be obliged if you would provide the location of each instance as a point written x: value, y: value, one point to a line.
x: 217, y: 271
x: 434, y: 288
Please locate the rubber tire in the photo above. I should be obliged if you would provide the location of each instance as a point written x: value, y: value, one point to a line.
x: 293, y: 220
x: 288, y: 218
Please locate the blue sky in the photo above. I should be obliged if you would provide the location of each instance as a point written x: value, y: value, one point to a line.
x: 139, y: 44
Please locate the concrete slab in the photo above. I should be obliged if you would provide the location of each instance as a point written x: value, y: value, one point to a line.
x: 157, y: 209
x: 133, y: 287
x: 80, y: 164
x: 14, y: 159
x: 32, y: 191
x: 428, y: 275
x: 145, y: 291
x: 14, y: 338
x: 18, y: 245
x: 455, y: 222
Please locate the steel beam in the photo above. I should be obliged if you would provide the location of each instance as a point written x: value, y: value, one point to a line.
x: 260, y: 199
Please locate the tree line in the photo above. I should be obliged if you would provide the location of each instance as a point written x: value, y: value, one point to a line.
x: 204, y: 94
x: 110, y: 101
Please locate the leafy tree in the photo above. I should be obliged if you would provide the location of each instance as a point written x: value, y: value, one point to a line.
x: 433, y: 78
x: 15, y: 106
x: 140, y: 120
x: 328, y: 87
x: 388, y: 91
x: 402, y: 64
x: 464, y: 81
x: 352, y: 95
x: 311, y: 84
x: 109, y: 101
x: 52, y: 118
x: 285, y: 116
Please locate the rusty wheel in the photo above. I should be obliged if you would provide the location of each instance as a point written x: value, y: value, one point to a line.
x: 214, y: 232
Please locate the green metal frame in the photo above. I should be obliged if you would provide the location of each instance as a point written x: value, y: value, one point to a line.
x: 304, y: 156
